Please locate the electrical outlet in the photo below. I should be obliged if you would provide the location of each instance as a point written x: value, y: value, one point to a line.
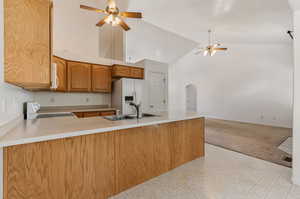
x: 262, y: 117
x: 87, y: 100
x: 275, y: 118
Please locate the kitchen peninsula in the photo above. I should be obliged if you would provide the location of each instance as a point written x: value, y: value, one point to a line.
x: 93, y: 157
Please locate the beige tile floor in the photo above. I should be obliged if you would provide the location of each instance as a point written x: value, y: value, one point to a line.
x: 222, y: 174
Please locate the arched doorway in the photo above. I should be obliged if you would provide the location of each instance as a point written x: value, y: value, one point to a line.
x: 191, y: 98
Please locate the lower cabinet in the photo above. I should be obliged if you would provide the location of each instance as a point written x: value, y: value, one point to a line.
x: 80, y: 167
x: 100, y: 165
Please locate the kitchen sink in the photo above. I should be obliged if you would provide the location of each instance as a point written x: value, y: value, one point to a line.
x: 127, y: 117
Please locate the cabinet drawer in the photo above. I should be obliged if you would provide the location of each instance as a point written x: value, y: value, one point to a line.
x: 79, y: 115
x: 108, y: 113
x: 91, y: 114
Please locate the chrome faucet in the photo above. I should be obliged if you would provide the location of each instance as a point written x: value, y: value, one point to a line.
x: 137, y: 107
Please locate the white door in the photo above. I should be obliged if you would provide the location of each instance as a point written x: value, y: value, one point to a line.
x: 157, y: 91
x: 191, y: 98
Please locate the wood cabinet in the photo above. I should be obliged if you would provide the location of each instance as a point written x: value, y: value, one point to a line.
x: 134, y: 157
x: 108, y: 113
x: 120, y: 71
x: 79, y: 77
x: 27, y: 43
x: 186, y: 146
x: 79, y: 115
x: 100, y: 165
x: 94, y: 114
x: 91, y: 114
x: 101, y: 78
x: 61, y: 78
x: 80, y: 167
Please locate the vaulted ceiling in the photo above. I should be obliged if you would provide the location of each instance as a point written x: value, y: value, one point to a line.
x: 233, y: 20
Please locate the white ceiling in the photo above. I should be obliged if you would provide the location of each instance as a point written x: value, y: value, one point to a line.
x: 233, y: 20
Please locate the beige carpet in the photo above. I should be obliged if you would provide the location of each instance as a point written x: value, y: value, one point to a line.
x: 254, y: 140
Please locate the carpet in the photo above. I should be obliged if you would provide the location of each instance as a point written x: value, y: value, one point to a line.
x: 250, y: 139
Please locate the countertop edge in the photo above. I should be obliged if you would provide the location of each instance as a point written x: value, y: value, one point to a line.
x: 89, y: 132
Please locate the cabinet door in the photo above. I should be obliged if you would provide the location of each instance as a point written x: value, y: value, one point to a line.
x: 27, y: 43
x: 79, y: 77
x: 187, y: 141
x: 61, y: 67
x: 101, y: 78
x: 134, y: 157
x: 77, y: 168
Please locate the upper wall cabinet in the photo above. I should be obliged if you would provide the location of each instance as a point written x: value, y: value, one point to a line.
x: 27, y: 41
x: 120, y: 71
x: 79, y: 77
x: 61, y: 74
x: 101, y: 78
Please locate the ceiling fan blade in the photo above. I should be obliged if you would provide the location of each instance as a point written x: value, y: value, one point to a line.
x: 131, y: 14
x: 92, y: 9
x: 221, y: 49
x: 101, y: 22
x: 124, y: 25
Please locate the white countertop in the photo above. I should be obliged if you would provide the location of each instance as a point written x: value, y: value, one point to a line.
x: 38, y: 130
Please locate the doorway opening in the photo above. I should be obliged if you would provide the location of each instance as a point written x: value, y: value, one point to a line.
x: 191, y: 98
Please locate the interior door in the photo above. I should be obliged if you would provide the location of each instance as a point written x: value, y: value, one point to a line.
x: 157, y: 91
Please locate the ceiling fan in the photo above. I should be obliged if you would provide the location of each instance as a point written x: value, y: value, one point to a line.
x: 212, y: 47
x: 113, y: 15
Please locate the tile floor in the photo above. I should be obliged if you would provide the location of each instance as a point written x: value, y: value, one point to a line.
x: 222, y: 174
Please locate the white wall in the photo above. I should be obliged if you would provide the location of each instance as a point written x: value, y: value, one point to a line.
x: 146, y: 41
x: 250, y: 82
x: 296, y: 125
x: 11, y: 97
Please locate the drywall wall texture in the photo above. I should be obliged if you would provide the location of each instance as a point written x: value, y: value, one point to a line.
x: 249, y: 82
x: 71, y: 99
x: 11, y: 97
x: 146, y: 41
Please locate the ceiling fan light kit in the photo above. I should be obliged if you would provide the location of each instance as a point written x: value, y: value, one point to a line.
x: 212, y: 47
x: 113, y: 15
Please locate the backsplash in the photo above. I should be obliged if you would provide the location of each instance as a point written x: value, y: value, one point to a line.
x: 71, y: 99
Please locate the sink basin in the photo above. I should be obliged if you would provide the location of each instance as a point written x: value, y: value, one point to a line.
x: 149, y: 115
x: 127, y: 117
